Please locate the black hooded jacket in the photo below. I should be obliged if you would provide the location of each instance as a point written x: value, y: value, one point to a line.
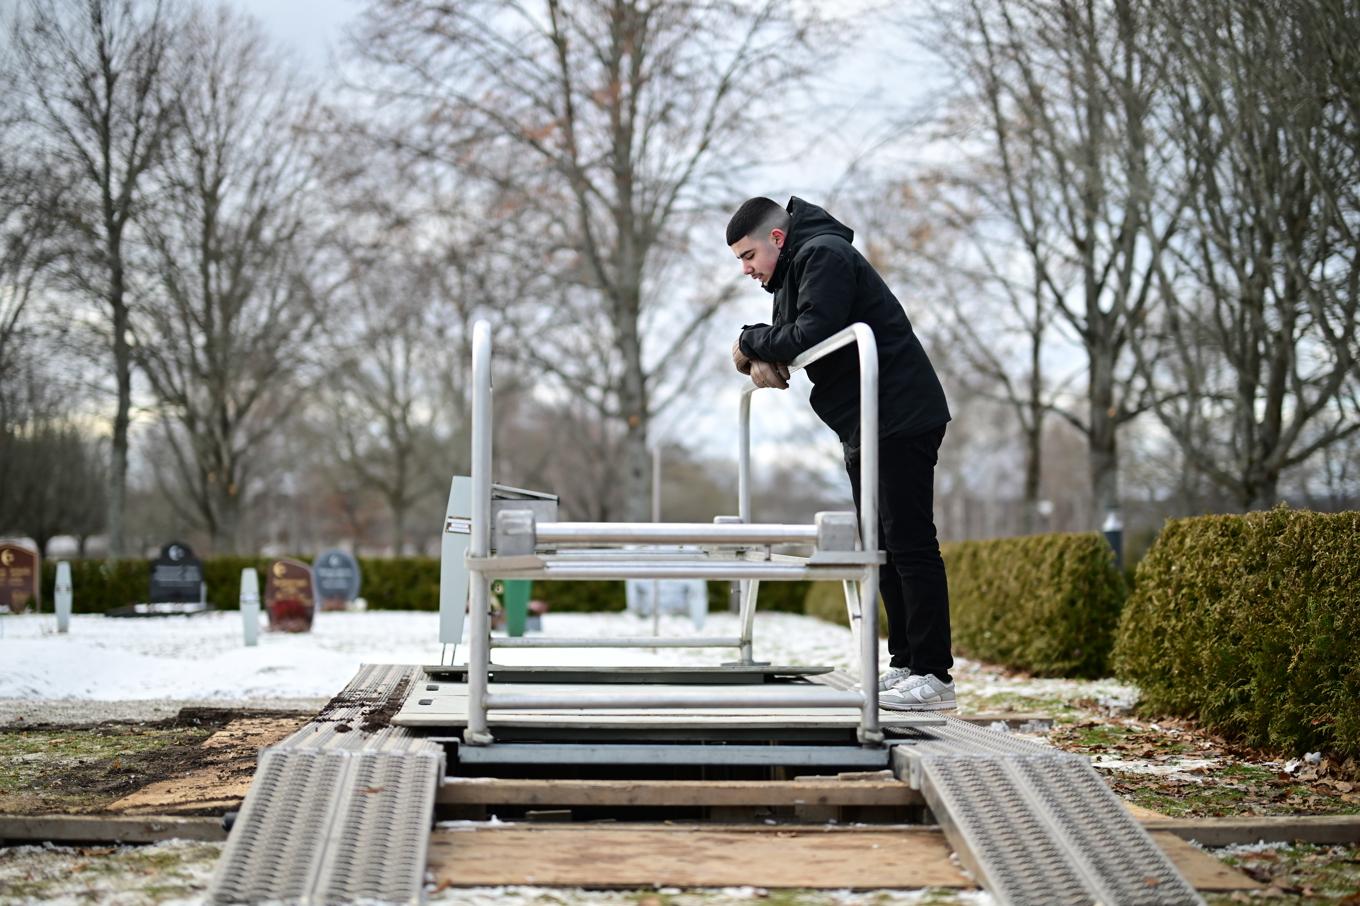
x: 821, y: 284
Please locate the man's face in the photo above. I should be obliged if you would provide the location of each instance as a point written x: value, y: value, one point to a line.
x: 759, y: 254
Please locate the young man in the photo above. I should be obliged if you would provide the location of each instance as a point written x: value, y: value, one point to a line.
x: 821, y: 284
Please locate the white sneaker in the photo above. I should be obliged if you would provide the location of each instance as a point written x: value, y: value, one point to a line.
x: 919, y: 693
x: 890, y: 678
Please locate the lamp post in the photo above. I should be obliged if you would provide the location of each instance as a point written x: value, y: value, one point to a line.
x: 1113, y: 530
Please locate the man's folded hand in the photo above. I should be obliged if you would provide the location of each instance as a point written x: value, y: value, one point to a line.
x: 739, y: 359
x: 768, y: 374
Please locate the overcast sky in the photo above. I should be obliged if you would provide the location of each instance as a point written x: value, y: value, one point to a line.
x: 883, y: 73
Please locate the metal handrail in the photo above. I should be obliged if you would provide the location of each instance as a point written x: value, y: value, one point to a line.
x: 862, y: 336
x: 479, y: 544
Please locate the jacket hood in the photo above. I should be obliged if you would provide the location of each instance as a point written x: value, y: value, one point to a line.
x: 806, y: 221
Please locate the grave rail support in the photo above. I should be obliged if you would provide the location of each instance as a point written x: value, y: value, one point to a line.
x: 861, y: 569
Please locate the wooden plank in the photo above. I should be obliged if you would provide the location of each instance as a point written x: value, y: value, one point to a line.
x: 107, y: 829
x: 675, y: 793
x: 1143, y: 814
x: 1201, y: 870
x: 892, y: 857
x: 1274, y: 829
x: 221, y: 783
x: 631, y: 857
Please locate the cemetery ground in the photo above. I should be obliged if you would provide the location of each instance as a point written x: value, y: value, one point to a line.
x: 122, y: 746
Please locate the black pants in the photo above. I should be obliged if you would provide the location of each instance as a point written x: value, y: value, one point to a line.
x: 912, y: 582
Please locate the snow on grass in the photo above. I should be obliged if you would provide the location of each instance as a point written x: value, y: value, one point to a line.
x: 204, y: 658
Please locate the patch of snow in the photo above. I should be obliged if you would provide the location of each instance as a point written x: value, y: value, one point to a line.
x: 1179, y: 768
x: 205, y: 657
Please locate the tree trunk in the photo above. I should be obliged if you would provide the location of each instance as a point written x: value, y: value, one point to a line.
x: 1102, y: 440
x: 398, y: 506
x: 122, y: 363
x: 633, y: 405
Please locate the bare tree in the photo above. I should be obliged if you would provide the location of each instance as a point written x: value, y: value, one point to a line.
x: 940, y: 234
x: 621, y: 116
x: 1065, y: 99
x: 386, y: 430
x: 226, y: 338
x: 1260, y: 334
x: 96, y: 74
x: 52, y: 474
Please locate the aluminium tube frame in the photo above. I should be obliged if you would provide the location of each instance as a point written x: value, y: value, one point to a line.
x: 479, y: 545
x: 869, y: 732
x: 862, y: 336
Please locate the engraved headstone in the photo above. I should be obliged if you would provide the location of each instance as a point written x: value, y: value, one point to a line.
x: 337, y: 579
x: 176, y: 576
x: 18, y: 578
x: 289, y: 596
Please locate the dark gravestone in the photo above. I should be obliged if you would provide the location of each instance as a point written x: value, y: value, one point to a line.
x: 289, y: 597
x: 337, y: 579
x: 176, y: 576
x: 18, y: 578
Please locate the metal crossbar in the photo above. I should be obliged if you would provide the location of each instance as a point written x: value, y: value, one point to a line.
x: 730, y: 550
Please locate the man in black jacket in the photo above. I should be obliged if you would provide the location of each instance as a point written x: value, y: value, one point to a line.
x: 821, y: 284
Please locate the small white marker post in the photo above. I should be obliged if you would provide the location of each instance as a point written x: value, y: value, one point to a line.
x: 63, y: 589
x: 250, y: 605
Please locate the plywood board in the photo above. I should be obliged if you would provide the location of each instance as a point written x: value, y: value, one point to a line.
x: 222, y: 779
x: 632, y: 855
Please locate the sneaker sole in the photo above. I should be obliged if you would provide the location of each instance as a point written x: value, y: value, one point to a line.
x: 924, y: 706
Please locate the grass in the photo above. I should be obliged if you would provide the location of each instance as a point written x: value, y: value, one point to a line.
x: 83, y: 770
x: 1304, y: 874
x: 174, y: 870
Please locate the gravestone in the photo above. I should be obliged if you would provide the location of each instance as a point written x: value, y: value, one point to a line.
x: 289, y: 596
x: 337, y: 579
x: 18, y: 578
x: 176, y: 576
x: 684, y: 597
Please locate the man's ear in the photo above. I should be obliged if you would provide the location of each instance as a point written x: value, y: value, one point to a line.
x: 777, y: 236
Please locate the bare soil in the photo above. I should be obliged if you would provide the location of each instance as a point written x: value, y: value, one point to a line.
x: 99, y: 767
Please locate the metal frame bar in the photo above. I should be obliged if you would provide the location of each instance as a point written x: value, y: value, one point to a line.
x: 863, y: 337
x: 727, y: 754
x: 649, y: 564
x: 816, y: 697
x: 617, y: 642
x: 550, y: 533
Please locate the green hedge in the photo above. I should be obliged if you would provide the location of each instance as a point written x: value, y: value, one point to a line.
x: 1048, y: 604
x: 1251, y: 624
x: 404, y: 583
x: 826, y: 601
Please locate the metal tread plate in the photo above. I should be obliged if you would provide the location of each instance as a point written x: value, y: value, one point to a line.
x: 324, y: 826
x: 1036, y: 826
x: 339, y: 811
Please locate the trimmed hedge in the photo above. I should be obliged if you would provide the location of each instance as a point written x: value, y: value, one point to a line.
x: 1048, y: 604
x: 826, y: 601
x: 1251, y: 625
x: 404, y: 583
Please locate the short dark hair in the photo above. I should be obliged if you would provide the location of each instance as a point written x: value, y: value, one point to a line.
x: 755, y: 214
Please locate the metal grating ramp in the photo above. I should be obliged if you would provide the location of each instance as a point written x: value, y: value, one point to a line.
x: 1035, y: 825
x: 340, y: 811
